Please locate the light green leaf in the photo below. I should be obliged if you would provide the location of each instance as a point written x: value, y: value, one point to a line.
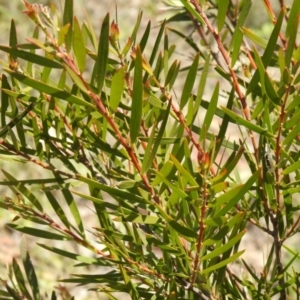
x: 236, y: 194
x: 210, y: 112
x: 116, y: 89
x: 241, y: 121
x: 223, y: 262
x: 78, y: 46
x: 151, y: 151
x: 174, y: 188
x: 189, y: 82
x: 292, y: 168
x: 76, y: 79
x: 220, y: 250
x: 268, y: 53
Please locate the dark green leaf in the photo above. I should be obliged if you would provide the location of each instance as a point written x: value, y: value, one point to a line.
x: 30, y: 272
x: 137, y: 97
x: 32, y: 57
x: 45, y: 234
x: 51, y: 90
x: 237, y: 37
x: 116, y: 89
x: 78, y: 46
x: 68, y: 19
x: 102, y: 55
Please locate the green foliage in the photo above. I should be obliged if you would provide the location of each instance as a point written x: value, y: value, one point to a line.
x: 171, y: 196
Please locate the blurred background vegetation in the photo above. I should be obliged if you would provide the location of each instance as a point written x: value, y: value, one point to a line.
x: 127, y: 12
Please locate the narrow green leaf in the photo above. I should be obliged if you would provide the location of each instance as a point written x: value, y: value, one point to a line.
x: 193, y: 11
x: 116, y: 89
x: 20, y: 279
x: 182, y: 230
x: 292, y: 37
x: 171, y: 73
x: 91, y: 32
x: 293, y: 121
x: 37, y: 44
x: 4, y: 100
x: 222, y: 11
x: 32, y: 57
x: 173, y: 187
x: 30, y: 272
x: 11, y: 292
x: 139, y: 219
x: 216, y: 222
x: 201, y: 88
x: 239, y: 120
x: 164, y: 171
x: 45, y: 234
x: 51, y: 90
x: 13, y: 40
x: 254, y: 37
x: 102, y: 55
x: 223, y: 262
x: 78, y: 46
x: 76, y: 79
x: 187, y: 175
x: 225, y: 122
x: 290, y: 137
x: 157, y: 43
x: 151, y: 151
x: 228, y: 166
x: 292, y: 19
x: 16, y: 119
x: 74, y: 256
x: 229, y: 195
x: 268, y: 53
x: 261, y: 69
x: 136, y: 27
x: 221, y: 250
x: 291, y: 168
x: 238, y: 194
x: 210, y: 112
x: 74, y: 210
x: 270, y: 89
x: 237, y: 37
x: 112, y: 191
x: 137, y: 97
x: 58, y: 209
x: 24, y: 191
x: 68, y: 19
x: 145, y: 37
x: 189, y: 82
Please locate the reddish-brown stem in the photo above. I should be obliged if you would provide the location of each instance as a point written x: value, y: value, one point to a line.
x: 270, y: 9
x: 201, y: 234
x: 226, y: 58
x: 35, y: 161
